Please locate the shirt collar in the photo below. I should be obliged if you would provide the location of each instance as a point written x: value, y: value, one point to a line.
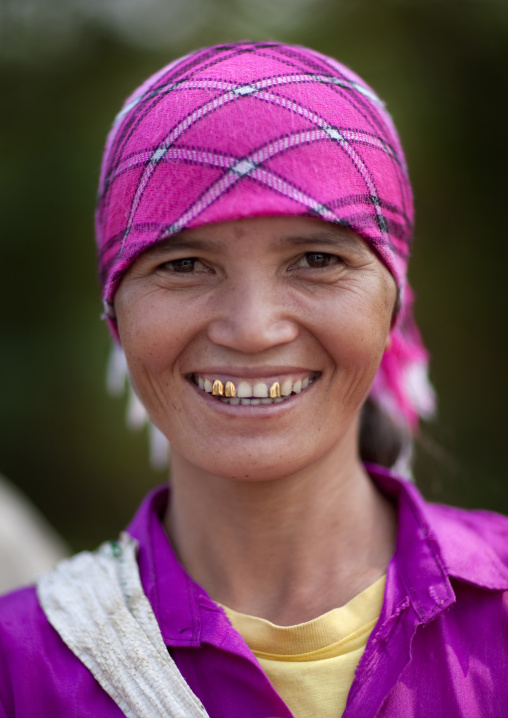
x: 434, y: 543
x: 186, y: 615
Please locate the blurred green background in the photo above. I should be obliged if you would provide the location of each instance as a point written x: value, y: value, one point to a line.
x: 65, y: 68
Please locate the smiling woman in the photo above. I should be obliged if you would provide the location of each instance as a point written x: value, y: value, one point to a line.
x: 254, y: 224
x: 281, y: 305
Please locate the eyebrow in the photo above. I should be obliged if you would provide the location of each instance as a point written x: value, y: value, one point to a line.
x: 181, y: 242
x: 328, y: 238
x: 335, y: 239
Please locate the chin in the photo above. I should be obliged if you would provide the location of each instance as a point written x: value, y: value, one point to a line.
x: 247, y: 467
x: 262, y: 460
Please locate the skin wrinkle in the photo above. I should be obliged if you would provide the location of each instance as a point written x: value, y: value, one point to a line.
x: 253, y: 520
x: 153, y: 385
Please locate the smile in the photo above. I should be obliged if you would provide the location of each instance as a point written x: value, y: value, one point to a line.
x: 254, y: 392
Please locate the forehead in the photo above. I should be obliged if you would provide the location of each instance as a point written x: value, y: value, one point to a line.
x: 278, y: 231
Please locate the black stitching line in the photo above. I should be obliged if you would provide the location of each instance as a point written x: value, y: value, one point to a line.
x: 138, y: 113
x: 379, y: 216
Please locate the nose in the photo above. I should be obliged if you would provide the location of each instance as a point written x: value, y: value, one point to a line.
x: 252, y: 317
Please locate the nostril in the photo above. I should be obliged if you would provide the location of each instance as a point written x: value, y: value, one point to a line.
x: 251, y: 337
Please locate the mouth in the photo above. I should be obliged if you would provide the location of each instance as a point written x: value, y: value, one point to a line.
x: 254, y: 392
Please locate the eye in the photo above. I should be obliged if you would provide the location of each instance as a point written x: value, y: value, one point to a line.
x: 186, y: 265
x: 318, y: 260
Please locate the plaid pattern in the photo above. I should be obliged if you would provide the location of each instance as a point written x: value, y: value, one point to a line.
x: 249, y: 129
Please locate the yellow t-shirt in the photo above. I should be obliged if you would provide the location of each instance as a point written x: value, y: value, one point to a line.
x: 312, y: 665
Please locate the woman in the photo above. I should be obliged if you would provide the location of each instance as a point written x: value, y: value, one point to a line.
x: 254, y: 223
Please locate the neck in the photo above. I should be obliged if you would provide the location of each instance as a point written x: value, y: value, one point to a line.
x: 288, y: 549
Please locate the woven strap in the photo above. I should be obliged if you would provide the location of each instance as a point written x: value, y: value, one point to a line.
x: 96, y: 603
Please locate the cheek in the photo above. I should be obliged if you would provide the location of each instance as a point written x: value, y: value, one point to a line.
x: 356, y: 331
x: 153, y: 337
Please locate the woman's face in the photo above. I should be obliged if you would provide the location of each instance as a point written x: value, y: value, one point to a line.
x: 274, y: 305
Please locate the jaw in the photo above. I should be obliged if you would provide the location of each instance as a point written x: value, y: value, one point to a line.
x: 256, y: 441
x: 262, y: 447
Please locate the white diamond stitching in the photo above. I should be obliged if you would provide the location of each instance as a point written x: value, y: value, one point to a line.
x: 244, y: 167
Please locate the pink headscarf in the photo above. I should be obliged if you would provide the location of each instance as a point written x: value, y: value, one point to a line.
x: 249, y: 129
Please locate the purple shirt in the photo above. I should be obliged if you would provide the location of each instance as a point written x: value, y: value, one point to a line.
x: 439, y: 648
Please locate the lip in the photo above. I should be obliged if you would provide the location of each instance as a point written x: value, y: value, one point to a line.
x: 252, y: 410
x: 264, y: 372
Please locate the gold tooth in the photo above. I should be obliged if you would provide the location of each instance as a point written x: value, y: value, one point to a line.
x: 230, y: 389
x: 274, y: 391
x: 218, y: 388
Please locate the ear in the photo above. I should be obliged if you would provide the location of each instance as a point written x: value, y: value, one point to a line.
x: 388, y: 342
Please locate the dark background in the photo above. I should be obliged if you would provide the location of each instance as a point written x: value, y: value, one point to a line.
x: 65, y: 68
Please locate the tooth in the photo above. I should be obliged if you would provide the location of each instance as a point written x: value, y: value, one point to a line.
x: 274, y: 392
x: 286, y: 387
x: 208, y: 386
x: 278, y: 401
x: 305, y: 383
x: 229, y: 389
x: 244, y: 390
x: 255, y: 402
x: 260, y: 390
x: 245, y: 402
x: 266, y: 401
x: 297, y: 386
x: 218, y: 388
x: 234, y: 401
x: 201, y: 383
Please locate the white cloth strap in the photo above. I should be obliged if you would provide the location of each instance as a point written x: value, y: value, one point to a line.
x: 96, y: 603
